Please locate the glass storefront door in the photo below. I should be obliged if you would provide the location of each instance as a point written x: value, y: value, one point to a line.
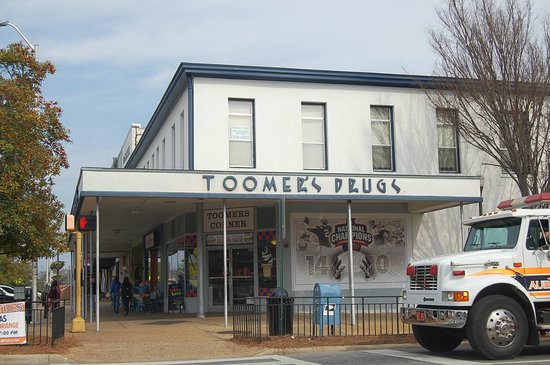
x: 242, y: 274
x: 240, y: 279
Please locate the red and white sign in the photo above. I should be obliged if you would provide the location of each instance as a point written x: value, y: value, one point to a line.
x: 525, y: 201
x: 13, y: 330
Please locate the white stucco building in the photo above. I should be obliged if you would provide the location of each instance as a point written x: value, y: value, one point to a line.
x: 291, y: 154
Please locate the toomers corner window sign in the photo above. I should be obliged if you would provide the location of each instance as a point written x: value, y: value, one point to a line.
x: 237, y: 219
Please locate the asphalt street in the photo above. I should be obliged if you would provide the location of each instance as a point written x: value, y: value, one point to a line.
x: 410, y: 355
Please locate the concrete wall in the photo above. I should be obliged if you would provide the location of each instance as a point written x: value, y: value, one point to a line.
x: 177, y: 119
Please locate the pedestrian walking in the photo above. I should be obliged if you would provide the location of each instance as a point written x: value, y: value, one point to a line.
x: 126, y: 291
x: 115, y: 294
x: 54, y: 295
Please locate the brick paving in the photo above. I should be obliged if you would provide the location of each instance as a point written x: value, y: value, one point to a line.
x: 154, y: 336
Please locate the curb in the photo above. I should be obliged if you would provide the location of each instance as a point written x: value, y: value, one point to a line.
x: 35, y: 359
x: 313, y: 349
x: 40, y: 359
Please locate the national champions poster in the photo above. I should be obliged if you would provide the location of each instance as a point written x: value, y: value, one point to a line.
x: 320, y: 242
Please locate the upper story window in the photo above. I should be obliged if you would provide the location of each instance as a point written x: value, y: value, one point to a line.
x: 163, y: 153
x: 505, y: 155
x: 447, y: 140
x: 157, y: 156
x: 241, y: 133
x: 173, y: 146
x: 313, y: 137
x: 382, y: 138
x: 506, y: 137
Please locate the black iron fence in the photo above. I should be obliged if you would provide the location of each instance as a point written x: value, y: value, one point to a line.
x: 319, y: 316
x: 44, y: 325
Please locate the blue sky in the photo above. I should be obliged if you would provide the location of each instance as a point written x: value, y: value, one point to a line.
x: 115, y: 58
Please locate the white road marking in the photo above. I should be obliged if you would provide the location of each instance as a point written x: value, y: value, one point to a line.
x: 260, y: 360
x: 449, y: 361
x: 425, y: 358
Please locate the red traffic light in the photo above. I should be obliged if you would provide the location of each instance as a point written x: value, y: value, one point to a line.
x: 86, y: 223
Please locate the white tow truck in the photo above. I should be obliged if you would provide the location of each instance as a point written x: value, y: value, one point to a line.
x: 496, y: 293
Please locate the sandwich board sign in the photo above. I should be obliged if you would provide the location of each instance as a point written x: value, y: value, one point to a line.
x: 13, y: 329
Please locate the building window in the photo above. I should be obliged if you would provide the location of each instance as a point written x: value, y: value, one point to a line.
x: 153, y: 161
x: 157, y: 163
x: 313, y: 137
x: 447, y: 140
x: 173, y: 145
x: 513, y: 118
x: 505, y: 156
x: 241, y: 133
x: 382, y: 134
x: 163, y: 153
x: 184, y: 153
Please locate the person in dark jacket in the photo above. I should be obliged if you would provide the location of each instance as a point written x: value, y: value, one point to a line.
x: 126, y: 292
x: 54, y: 296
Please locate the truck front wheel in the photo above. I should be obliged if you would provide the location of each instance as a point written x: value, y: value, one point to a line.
x: 437, y: 339
x: 497, y: 327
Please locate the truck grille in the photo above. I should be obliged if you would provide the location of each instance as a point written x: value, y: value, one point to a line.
x: 422, y: 280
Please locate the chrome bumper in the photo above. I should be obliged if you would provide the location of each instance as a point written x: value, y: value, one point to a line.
x: 450, y: 318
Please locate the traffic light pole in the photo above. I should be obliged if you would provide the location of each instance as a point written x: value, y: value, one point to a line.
x: 78, y: 324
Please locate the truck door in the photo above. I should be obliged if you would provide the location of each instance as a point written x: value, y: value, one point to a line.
x: 537, y: 259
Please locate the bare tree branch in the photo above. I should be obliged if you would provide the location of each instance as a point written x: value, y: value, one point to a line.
x: 494, y: 69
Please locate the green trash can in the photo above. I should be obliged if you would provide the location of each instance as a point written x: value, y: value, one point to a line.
x: 280, y: 313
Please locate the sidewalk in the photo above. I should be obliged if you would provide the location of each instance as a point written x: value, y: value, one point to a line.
x: 144, y: 337
x: 150, y: 337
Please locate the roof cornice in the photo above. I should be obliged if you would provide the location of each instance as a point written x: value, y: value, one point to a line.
x: 305, y: 75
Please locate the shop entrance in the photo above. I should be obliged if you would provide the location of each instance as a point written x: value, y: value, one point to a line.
x: 240, y: 278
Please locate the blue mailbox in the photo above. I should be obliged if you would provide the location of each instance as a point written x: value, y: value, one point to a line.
x: 326, y: 306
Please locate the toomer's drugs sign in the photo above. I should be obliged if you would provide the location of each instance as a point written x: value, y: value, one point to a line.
x: 13, y: 330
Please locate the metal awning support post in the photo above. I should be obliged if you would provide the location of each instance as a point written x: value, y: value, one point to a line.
x: 461, y: 225
x: 350, y: 265
x: 90, y: 275
x: 200, y: 261
x: 224, y: 264
x: 281, y: 243
x: 97, y: 264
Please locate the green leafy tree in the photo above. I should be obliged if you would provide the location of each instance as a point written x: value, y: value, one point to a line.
x: 31, y: 155
x: 14, y: 272
x: 493, y: 59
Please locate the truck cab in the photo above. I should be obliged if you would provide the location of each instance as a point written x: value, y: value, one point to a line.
x: 495, y: 293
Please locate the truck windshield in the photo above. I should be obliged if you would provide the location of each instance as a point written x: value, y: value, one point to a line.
x: 493, y: 234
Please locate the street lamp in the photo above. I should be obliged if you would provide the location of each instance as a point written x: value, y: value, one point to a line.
x: 4, y: 23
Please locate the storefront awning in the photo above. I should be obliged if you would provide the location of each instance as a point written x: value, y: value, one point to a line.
x: 135, y: 201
